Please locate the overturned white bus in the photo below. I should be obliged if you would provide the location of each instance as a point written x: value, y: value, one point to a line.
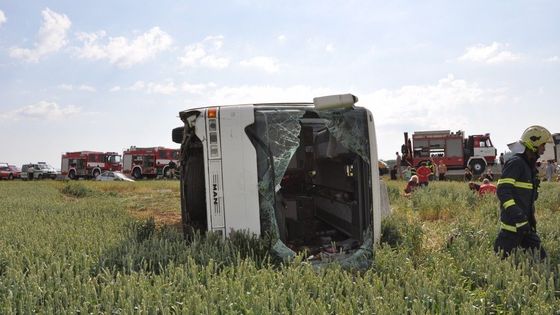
x: 304, y: 174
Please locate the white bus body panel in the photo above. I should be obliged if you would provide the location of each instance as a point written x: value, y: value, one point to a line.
x: 231, y: 179
x: 240, y: 179
x: 375, y: 184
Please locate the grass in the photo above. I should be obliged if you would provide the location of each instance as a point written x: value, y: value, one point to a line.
x: 89, y: 247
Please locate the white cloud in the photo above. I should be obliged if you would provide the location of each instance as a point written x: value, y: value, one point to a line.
x: 66, y: 87
x: 205, y: 54
x: 267, y: 64
x: 434, y: 106
x: 2, y: 18
x: 281, y: 38
x: 166, y: 88
x: 491, y: 54
x: 83, y: 87
x: 42, y: 110
x: 553, y: 59
x: 197, y: 88
x: 121, y: 51
x: 50, y: 39
x: 329, y: 48
x: 266, y: 94
x: 86, y: 88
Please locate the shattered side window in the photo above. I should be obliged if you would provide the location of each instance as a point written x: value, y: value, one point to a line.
x: 276, y: 138
x: 280, y: 133
x: 349, y: 127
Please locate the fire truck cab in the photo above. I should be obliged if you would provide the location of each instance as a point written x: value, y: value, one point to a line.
x: 150, y: 162
x: 89, y: 164
x: 452, y: 148
x: 303, y: 174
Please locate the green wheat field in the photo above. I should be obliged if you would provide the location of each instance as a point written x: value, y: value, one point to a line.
x: 116, y: 248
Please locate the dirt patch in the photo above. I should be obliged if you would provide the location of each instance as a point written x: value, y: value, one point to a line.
x: 160, y: 217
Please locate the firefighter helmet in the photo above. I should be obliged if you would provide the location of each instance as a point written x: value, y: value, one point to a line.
x: 534, y: 136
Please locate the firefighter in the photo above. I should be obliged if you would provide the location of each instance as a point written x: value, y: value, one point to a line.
x: 517, y: 192
x: 423, y: 173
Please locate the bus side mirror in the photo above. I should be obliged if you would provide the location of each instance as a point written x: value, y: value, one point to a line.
x: 177, y: 134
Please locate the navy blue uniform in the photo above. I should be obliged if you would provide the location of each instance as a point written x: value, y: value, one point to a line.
x: 517, y: 192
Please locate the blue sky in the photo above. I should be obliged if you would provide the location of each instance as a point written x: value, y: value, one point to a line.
x: 105, y: 75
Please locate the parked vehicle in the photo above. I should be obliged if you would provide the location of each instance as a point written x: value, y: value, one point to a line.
x: 113, y: 176
x: 41, y: 170
x: 455, y: 149
x: 304, y: 174
x: 150, y: 162
x: 89, y: 164
x: 9, y: 171
x: 552, y: 151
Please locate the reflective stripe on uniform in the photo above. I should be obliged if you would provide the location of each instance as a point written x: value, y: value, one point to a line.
x: 508, y: 203
x: 506, y: 181
x: 523, y: 185
x: 515, y: 183
x: 512, y: 228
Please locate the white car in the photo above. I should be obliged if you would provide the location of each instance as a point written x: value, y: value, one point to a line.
x: 112, y: 175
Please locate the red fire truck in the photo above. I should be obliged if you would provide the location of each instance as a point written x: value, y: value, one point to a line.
x: 89, y: 164
x: 150, y: 162
x: 453, y: 148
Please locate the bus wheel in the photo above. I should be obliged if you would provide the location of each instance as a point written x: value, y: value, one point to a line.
x: 72, y: 175
x: 96, y: 173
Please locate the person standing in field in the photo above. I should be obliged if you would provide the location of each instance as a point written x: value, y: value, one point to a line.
x: 468, y: 175
x: 549, y: 171
x: 442, y: 168
x: 399, y: 165
x: 423, y: 173
x: 30, y: 172
x: 435, y: 170
x: 517, y: 192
